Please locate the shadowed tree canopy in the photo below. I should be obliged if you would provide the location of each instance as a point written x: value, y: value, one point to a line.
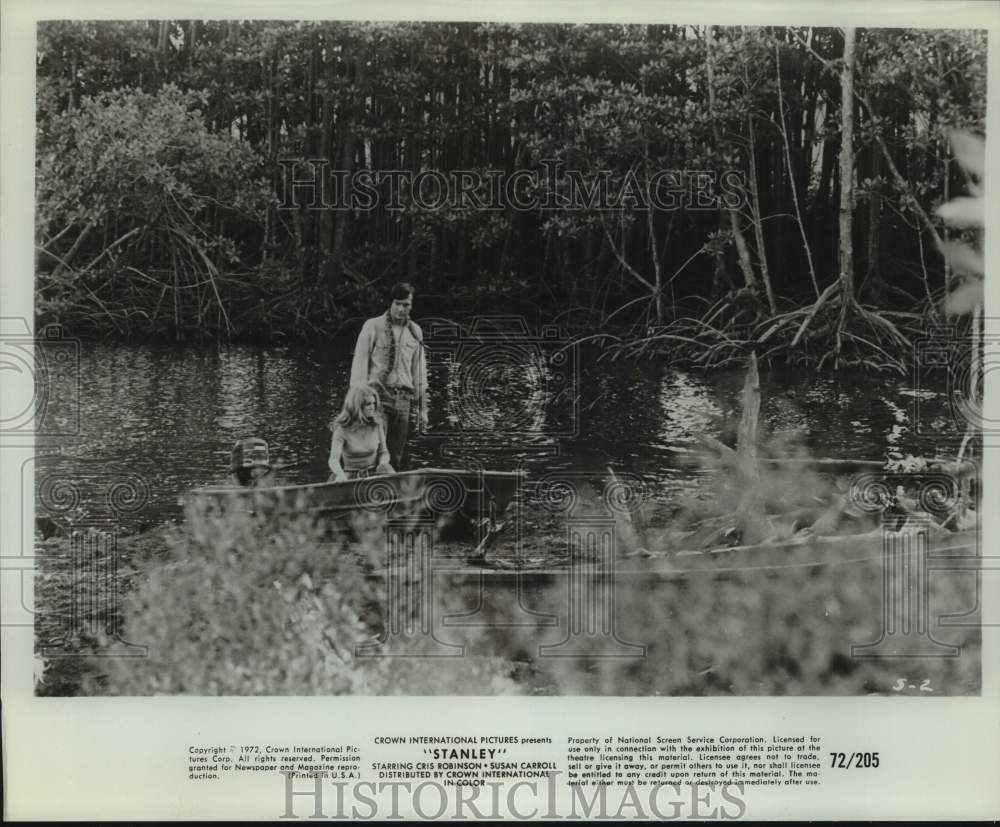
x: 670, y: 173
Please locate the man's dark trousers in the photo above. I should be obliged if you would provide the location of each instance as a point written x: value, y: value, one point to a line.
x: 396, y: 410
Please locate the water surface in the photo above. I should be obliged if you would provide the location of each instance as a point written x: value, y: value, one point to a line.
x: 156, y: 421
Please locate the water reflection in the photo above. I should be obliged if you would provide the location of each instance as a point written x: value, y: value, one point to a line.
x: 171, y: 415
x: 502, y: 390
x: 688, y: 406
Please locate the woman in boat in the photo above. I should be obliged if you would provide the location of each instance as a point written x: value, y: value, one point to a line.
x: 358, y: 447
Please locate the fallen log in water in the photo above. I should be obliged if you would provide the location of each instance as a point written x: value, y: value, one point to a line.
x: 768, y: 500
x: 872, y: 543
x: 727, y: 456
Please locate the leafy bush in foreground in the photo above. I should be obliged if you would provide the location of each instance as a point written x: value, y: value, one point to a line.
x: 265, y: 606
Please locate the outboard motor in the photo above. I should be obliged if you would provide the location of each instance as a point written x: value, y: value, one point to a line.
x: 249, y: 461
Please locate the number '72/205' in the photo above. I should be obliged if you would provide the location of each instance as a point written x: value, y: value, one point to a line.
x: 858, y: 760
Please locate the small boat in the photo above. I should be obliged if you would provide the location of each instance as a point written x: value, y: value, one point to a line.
x: 443, y: 491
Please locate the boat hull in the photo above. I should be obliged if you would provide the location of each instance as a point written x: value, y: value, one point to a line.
x: 441, y: 491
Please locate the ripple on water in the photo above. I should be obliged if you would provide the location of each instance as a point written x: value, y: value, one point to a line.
x: 171, y: 415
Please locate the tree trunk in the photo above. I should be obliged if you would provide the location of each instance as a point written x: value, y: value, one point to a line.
x: 820, y: 208
x: 332, y: 152
x: 160, y: 59
x: 808, y: 96
x: 846, y: 179
x: 68, y: 258
x: 339, y: 246
x: 791, y: 174
x: 758, y: 226
x: 654, y: 253
x: 874, y: 215
x: 734, y: 219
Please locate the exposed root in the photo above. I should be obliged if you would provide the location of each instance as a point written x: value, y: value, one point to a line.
x: 830, y: 332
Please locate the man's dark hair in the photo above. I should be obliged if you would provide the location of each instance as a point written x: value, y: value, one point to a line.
x: 401, y: 290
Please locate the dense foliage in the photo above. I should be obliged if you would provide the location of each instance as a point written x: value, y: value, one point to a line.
x: 228, y: 604
x: 236, y: 604
x: 163, y: 149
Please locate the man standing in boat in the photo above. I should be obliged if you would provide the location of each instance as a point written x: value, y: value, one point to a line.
x: 389, y: 355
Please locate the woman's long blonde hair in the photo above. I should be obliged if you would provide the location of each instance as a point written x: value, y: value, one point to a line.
x: 353, y: 402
